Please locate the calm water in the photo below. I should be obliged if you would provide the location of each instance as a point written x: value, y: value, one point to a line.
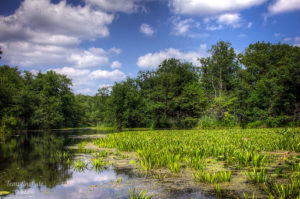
x: 31, y: 167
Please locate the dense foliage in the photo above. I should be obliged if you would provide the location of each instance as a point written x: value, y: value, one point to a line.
x: 256, y: 88
x: 35, y: 102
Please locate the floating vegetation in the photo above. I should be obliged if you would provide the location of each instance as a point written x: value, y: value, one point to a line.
x: 140, y: 195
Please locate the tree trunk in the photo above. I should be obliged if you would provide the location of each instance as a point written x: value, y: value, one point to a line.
x: 213, y: 85
x: 220, y: 83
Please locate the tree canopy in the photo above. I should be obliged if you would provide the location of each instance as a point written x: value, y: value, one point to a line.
x: 256, y: 88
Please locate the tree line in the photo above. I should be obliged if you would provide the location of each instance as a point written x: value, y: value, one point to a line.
x: 256, y: 88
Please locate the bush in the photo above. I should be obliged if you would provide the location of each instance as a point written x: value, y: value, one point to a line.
x: 208, y: 122
x: 255, y: 124
x: 282, y: 120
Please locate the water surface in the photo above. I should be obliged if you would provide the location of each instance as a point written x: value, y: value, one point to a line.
x: 32, y: 165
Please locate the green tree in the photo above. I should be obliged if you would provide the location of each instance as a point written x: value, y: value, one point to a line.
x: 218, y: 72
x: 11, y: 83
x: 56, y: 101
x: 126, y: 104
x: 165, y: 89
x: 269, y: 83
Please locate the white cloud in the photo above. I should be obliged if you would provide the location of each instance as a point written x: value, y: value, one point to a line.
x: 37, y: 17
x: 105, y: 85
x: 115, y: 64
x: 277, y: 34
x: 152, y: 60
x: 219, y: 22
x: 89, y: 58
x: 126, y: 6
x: 281, y: 6
x: 36, y: 55
x: 146, y: 29
x: 211, y: 7
x: 249, y: 24
x: 214, y: 27
x: 232, y: 19
x: 183, y: 26
x: 294, y: 41
x: 83, y: 78
x: 115, y: 75
x: 41, y: 33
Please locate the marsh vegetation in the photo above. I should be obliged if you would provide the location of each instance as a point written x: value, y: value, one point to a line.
x: 264, y: 162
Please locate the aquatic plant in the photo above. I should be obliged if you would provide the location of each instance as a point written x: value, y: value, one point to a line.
x: 119, y: 180
x: 258, y: 176
x: 98, y: 164
x: 102, y: 154
x: 80, y: 165
x: 218, y: 189
x: 140, y: 195
x: 161, y: 177
x: 206, y: 177
x: 246, y: 196
x: 296, y: 166
x: 201, y: 149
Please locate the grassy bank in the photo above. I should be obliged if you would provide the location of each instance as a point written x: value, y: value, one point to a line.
x: 235, y: 163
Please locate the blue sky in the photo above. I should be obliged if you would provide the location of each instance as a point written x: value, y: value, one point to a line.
x: 98, y: 42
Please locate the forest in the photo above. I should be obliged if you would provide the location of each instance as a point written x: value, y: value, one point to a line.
x: 256, y: 88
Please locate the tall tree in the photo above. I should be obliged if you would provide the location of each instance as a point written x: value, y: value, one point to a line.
x: 218, y: 72
x: 270, y: 82
x: 166, y: 88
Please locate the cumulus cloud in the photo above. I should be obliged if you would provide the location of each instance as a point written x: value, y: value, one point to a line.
x: 89, y: 58
x: 146, y: 29
x: 230, y: 19
x: 126, y: 6
x: 42, y: 33
x: 182, y: 26
x: 281, y: 6
x: 295, y: 41
x: 83, y: 78
x: 219, y: 22
x: 41, y: 17
x: 152, y: 60
x: 116, y: 64
x: 115, y: 75
x: 204, y: 7
x: 45, y: 34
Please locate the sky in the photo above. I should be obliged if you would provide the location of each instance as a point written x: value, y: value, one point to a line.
x: 99, y: 42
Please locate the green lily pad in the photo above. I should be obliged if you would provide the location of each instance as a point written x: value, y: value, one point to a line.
x: 3, y: 193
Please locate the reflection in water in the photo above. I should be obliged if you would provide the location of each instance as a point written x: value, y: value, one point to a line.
x: 32, y: 159
x: 37, y: 165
